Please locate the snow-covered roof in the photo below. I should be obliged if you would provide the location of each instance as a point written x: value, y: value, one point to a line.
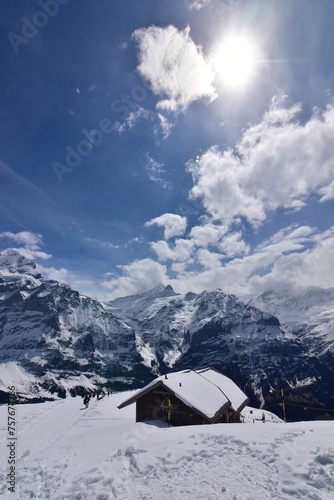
x: 207, y: 391
x: 237, y: 398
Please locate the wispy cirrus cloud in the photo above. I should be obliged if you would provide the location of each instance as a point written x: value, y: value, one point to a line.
x: 218, y: 4
x: 155, y: 171
x: 198, y: 4
x: 175, y: 67
x: 24, y: 184
x: 131, y: 120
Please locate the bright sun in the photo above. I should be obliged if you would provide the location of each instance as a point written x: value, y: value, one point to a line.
x: 235, y: 61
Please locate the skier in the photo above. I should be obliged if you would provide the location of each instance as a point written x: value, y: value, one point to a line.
x: 86, y: 400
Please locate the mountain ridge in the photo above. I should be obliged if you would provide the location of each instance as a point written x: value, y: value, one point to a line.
x: 65, y: 342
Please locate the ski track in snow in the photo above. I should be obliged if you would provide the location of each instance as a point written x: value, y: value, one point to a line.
x: 51, y: 425
x: 65, y: 452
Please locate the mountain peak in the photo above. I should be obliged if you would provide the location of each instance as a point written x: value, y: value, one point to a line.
x: 164, y: 291
x: 13, y: 262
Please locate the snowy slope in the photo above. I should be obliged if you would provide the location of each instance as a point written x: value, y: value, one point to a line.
x: 67, y: 452
x: 308, y: 313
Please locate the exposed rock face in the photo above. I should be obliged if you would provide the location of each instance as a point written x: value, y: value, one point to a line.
x: 65, y: 339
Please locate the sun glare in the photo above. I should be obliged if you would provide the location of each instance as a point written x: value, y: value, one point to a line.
x: 235, y: 61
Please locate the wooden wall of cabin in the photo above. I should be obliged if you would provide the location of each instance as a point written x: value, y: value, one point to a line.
x: 228, y: 417
x: 154, y: 406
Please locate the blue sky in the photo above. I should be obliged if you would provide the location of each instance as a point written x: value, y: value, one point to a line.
x: 187, y: 142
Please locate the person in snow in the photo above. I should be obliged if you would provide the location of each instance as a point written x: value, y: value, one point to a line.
x: 86, y: 400
x: 101, y: 394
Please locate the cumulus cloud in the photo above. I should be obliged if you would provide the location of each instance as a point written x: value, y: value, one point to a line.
x: 277, y: 163
x: 31, y: 242
x: 175, y: 67
x: 294, y: 257
x: 209, y: 260
x: 139, y: 276
x: 233, y: 244
x: 181, y: 251
x: 175, y: 225
x: 208, y: 234
x: 51, y: 273
x: 312, y: 267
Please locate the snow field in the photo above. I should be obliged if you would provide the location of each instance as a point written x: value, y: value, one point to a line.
x: 67, y: 452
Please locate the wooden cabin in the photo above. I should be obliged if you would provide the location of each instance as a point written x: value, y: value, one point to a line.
x: 189, y: 397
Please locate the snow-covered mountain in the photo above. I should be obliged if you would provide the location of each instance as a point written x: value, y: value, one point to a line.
x: 54, y: 340
x: 309, y: 314
x: 174, y: 332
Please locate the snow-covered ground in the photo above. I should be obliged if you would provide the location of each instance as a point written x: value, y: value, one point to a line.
x: 64, y: 451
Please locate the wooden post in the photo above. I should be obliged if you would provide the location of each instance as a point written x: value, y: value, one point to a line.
x: 169, y: 404
x: 283, y: 405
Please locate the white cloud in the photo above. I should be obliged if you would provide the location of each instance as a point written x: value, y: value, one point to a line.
x: 51, y: 273
x: 155, y: 171
x: 103, y: 244
x: 277, y: 163
x: 179, y: 267
x: 208, y: 234
x: 165, y: 125
x: 32, y: 244
x: 198, y: 4
x: 287, y: 235
x: 175, y: 225
x: 233, y: 245
x: 327, y: 192
x: 313, y: 267
x: 135, y: 116
x: 218, y: 181
x: 220, y: 6
x: 208, y: 259
x: 131, y: 120
x: 181, y: 251
x: 294, y: 257
x: 140, y: 275
x: 175, y: 67
x: 31, y: 240
x: 33, y: 254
